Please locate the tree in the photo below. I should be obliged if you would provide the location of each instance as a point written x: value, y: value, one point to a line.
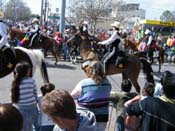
x: 17, y: 10
x: 167, y: 16
x: 91, y: 10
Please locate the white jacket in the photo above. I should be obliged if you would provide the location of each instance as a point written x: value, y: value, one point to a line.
x: 111, y: 39
x: 3, y: 34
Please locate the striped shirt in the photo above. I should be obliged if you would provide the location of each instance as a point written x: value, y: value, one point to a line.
x: 27, y: 92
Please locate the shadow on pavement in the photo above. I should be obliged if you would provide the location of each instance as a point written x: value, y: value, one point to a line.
x: 62, y: 66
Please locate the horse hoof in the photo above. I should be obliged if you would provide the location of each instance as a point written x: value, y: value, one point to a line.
x: 55, y: 63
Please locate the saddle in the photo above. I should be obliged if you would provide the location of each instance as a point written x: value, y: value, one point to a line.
x: 119, y: 59
x: 7, y: 60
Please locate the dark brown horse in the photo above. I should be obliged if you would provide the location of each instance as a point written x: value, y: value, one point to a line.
x: 133, y: 66
x: 43, y: 42
x: 33, y: 57
x: 136, y: 47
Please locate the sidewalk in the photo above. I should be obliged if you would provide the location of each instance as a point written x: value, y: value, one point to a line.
x: 112, y: 119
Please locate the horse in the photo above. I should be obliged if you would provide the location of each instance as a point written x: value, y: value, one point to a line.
x: 43, y: 42
x: 33, y: 57
x: 136, y: 47
x: 89, y: 52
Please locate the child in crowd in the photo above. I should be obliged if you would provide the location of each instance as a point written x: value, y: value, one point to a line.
x: 118, y: 99
x: 24, y: 96
x: 46, y: 124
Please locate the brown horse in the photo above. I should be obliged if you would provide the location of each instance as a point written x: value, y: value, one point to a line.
x: 135, y: 46
x: 89, y: 52
x: 33, y: 57
x: 44, y: 42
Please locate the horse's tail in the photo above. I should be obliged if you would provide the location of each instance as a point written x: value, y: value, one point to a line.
x: 147, y: 70
x: 41, y: 62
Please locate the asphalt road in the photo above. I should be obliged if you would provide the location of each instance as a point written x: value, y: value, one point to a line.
x: 66, y: 75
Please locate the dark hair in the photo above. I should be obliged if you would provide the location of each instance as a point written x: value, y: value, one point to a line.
x: 126, y: 85
x: 59, y: 103
x: 46, y: 88
x: 21, y: 70
x: 149, y: 88
x: 168, y: 83
x: 10, y: 118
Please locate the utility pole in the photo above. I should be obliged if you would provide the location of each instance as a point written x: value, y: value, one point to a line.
x: 45, y: 10
x: 62, y: 18
x: 41, y: 17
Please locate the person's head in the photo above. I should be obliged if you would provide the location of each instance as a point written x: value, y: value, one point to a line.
x: 21, y: 71
x: 168, y: 83
x: 95, y: 71
x: 59, y: 106
x: 10, y: 118
x: 116, y: 25
x: 35, y: 21
x: 148, y: 89
x: 126, y: 85
x: 46, y: 88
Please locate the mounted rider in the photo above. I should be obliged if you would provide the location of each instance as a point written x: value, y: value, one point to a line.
x: 35, y: 30
x: 114, y: 45
x: 149, y: 39
x: 4, y: 45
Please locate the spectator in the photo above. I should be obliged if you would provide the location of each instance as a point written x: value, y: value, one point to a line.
x: 24, y: 96
x: 118, y: 99
x: 157, y: 113
x: 169, y: 41
x: 45, y: 123
x: 10, y: 118
x: 93, y: 92
x: 60, y: 107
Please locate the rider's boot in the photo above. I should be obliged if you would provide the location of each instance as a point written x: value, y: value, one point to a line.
x: 104, y: 67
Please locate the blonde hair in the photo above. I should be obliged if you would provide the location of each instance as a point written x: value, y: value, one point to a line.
x: 95, y: 71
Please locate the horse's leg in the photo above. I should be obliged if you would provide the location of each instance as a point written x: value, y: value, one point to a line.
x: 55, y: 55
x: 135, y: 83
x: 133, y: 76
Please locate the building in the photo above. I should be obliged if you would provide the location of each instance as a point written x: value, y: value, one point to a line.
x: 130, y: 13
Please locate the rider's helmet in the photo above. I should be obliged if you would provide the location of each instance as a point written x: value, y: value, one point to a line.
x: 116, y: 24
x: 35, y: 20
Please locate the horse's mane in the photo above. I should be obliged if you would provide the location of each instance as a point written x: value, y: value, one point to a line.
x: 133, y: 42
x: 17, y: 30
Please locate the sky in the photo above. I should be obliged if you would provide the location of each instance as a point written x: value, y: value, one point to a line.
x: 154, y: 8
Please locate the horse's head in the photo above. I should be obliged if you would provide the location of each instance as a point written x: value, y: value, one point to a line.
x: 85, y: 44
x: 128, y: 43
x: 74, y: 41
x: 16, y: 34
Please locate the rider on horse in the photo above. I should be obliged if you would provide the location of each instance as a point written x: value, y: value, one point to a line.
x: 4, y: 46
x: 114, y: 44
x: 35, y: 30
x: 149, y: 40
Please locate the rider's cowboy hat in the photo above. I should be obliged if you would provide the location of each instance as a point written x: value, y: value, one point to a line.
x: 147, y: 31
x: 1, y: 15
x: 85, y: 23
x: 35, y: 20
x: 116, y: 24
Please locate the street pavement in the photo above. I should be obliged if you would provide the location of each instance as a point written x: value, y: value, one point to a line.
x: 66, y: 75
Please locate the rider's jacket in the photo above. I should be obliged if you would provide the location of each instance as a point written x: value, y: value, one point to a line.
x: 149, y: 40
x: 3, y: 34
x: 112, y: 40
x: 35, y: 29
